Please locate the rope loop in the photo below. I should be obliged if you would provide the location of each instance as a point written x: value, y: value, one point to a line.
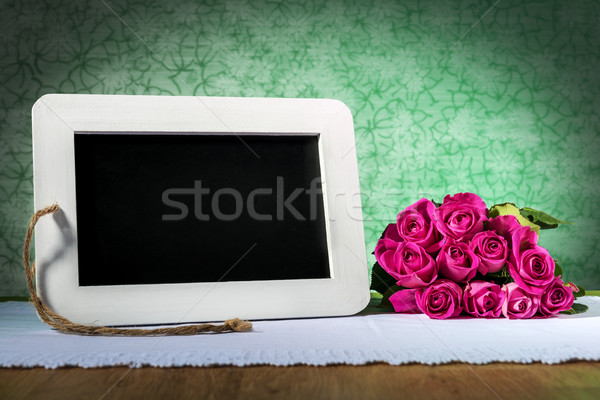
x: 62, y: 324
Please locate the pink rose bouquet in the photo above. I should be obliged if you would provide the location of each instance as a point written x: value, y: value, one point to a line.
x: 461, y: 258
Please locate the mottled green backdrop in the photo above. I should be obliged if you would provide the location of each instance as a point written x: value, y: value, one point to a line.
x: 496, y: 97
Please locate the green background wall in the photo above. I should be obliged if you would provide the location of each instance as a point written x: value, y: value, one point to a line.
x: 499, y: 98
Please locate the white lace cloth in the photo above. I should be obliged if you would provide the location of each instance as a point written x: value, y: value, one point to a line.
x: 371, y: 336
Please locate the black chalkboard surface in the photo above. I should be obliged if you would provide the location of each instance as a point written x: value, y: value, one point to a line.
x: 184, y: 208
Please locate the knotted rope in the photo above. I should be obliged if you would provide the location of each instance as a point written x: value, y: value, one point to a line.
x: 64, y: 325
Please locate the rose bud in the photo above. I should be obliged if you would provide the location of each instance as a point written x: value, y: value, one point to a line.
x: 457, y: 261
x: 441, y: 300
x: 415, y: 224
x: 408, y: 263
x: 461, y: 216
x: 573, y: 287
x: 557, y: 297
x: 505, y: 226
x: 532, y: 269
x: 483, y: 299
x: 518, y: 304
x: 492, y: 250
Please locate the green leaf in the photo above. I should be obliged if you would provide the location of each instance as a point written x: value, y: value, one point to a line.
x: 578, y: 291
x: 558, y: 271
x: 540, y: 218
x: 511, y: 209
x: 500, y: 278
x: 385, y: 301
x: 581, y: 292
x: 576, y: 309
x: 380, y: 279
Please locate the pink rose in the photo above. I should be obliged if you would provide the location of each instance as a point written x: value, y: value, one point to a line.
x: 457, y: 261
x: 391, y: 232
x: 461, y: 216
x: 518, y: 304
x: 415, y: 224
x: 484, y: 299
x: 523, y: 238
x: 505, y: 226
x: 492, y: 250
x: 407, y: 262
x: 441, y: 300
x: 405, y: 301
x: 384, y: 251
x: 557, y: 297
x: 532, y: 269
x: 388, y: 243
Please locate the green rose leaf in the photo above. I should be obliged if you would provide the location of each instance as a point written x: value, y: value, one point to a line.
x: 558, y: 271
x: 576, y: 309
x: 499, y: 278
x: 581, y: 292
x: 511, y: 209
x: 540, y: 218
x: 385, y: 301
x: 380, y: 279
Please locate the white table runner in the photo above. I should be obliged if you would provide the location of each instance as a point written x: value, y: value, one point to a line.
x: 371, y: 336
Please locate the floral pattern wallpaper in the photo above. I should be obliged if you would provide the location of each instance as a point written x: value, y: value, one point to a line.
x: 498, y: 97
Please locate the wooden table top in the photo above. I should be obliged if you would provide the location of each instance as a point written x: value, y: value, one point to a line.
x: 576, y: 380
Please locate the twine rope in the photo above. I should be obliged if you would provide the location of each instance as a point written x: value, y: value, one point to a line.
x: 64, y: 325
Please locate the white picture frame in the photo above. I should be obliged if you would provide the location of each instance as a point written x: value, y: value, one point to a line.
x: 56, y: 119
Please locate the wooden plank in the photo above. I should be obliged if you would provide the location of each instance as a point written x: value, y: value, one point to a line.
x: 578, y: 380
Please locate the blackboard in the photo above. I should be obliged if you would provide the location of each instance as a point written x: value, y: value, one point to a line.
x: 147, y: 212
